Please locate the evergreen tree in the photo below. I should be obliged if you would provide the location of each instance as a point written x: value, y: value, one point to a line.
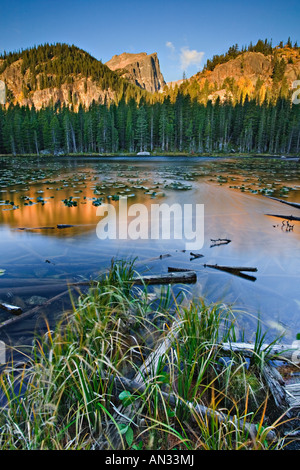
x: 141, y: 134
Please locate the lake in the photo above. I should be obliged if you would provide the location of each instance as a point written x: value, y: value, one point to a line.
x: 38, y: 259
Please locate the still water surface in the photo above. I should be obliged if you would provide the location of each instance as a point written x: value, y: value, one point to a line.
x: 37, y: 258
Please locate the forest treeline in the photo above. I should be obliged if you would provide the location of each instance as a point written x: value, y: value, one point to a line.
x: 182, y: 125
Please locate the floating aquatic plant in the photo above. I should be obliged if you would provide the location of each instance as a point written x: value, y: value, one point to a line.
x: 69, y: 202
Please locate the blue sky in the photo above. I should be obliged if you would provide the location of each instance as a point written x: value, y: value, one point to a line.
x: 183, y: 33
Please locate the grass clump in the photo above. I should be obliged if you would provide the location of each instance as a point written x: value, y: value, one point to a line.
x: 76, y: 390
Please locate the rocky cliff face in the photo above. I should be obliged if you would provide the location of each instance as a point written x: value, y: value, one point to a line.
x: 140, y: 69
x: 51, y: 74
x: 250, y: 70
x: 23, y: 85
x: 38, y: 78
x: 254, y: 66
x: 81, y: 91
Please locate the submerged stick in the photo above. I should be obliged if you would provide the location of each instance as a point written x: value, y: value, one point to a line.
x: 33, y: 310
x: 196, y: 255
x: 236, y: 271
x: 58, y: 226
x: 219, y: 242
x: 232, y: 268
x: 36, y: 289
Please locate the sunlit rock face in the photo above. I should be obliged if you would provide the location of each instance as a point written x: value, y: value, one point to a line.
x: 141, y: 69
x: 249, y: 71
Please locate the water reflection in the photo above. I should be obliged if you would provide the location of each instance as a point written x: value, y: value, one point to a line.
x: 38, y: 258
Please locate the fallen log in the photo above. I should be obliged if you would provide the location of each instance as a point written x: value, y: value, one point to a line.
x: 293, y: 204
x: 196, y: 409
x: 270, y: 374
x: 170, y: 278
x: 286, y: 217
x: 276, y: 386
x: 284, y: 352
x: 112, y: 439
x: 142, y: 381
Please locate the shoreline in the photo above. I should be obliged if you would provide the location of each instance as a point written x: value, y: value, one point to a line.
x: 157, y: 154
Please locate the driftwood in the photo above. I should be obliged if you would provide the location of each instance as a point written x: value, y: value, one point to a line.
x: 271, y: 375
x: 276, y: 386
x: 170, y: 278
x: 219, y: 241
x: 293, y: 395
x: 112, y: 438
x: 196, y: 255
x: 142, y: 381
x: 284, y: 352
x: 293, y: 204
x: 195, y: 408
x: 237, y: 271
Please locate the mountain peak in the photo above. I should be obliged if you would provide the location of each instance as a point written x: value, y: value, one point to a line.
x: 141, y: 68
